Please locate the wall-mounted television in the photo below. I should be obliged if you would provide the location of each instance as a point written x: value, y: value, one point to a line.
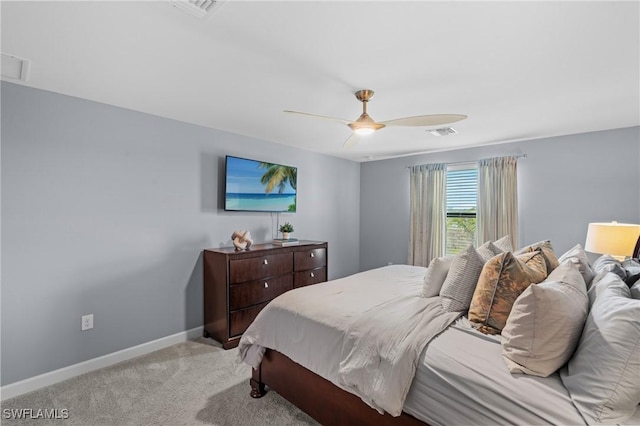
x: 259, y: 186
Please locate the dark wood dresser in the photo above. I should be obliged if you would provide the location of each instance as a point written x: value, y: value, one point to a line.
x: 238, y: 284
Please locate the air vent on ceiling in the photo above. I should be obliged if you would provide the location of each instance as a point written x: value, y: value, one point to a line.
x: 199, y: 8
x: 14, y: 68
x: 444, y: 131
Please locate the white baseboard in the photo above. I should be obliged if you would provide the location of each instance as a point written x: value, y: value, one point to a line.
x: 46, y: 379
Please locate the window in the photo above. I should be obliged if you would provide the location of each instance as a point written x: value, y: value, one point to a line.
x: 462, y: 201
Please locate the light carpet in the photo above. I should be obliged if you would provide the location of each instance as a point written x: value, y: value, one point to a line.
x: 190, y: 383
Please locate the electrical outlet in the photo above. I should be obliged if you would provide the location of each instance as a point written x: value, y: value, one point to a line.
x: 87, y: 322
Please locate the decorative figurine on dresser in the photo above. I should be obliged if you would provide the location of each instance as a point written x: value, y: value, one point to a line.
x: 239, y: 283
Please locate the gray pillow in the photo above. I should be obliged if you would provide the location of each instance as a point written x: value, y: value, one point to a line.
x: 457, y: 289
x: 602, y: 376
x: 578, y: 253
x: 488, y: 250
x: 607, y: 263
x: 435, y: 276
x: 545, y: 323
x: 504, y: 244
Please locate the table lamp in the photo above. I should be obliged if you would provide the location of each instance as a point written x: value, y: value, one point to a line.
x: 613, y: 238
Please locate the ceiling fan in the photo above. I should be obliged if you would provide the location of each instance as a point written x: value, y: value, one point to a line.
x: 365, y: 125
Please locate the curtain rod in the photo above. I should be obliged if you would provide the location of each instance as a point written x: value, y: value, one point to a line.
x: 475, y: 161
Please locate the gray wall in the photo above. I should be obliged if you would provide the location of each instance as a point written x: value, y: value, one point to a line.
x: 106, y: 211
x: 563, y: 184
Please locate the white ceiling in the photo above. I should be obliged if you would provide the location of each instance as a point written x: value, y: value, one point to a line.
x: 519, y: 70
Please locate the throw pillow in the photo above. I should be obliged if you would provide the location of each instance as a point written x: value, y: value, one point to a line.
x: 632, y: 268
x: 502, y: 280
x: 435, y: 276
x: 547, y: 251
x: 488, y: 250
x: 545, y: 323
x: 635, y: 290
x: 578, y: 253
x: 602, y: 376
x: 461, y: 280
x: 599, y: 284
x: 607, y: 263
x: 504, y: 243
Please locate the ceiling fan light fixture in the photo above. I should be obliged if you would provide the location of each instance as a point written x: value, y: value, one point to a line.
x: 364, y: 131
x: 365, y: 125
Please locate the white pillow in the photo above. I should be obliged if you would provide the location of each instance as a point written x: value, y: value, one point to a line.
x: 504, y: 243
x: 602, y: 377
x: 578, y: 253
x: 545, y: 323
x: 435, y: 276
x: 457, y: 289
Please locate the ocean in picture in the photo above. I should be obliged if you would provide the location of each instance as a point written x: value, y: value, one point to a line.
x: 260, y: 202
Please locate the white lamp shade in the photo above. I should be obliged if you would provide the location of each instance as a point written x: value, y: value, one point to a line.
x: 616, y: 239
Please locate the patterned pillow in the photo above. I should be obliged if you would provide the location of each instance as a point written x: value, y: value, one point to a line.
x: 578, y: 253
x: 435, y: 276
x: 461, y: 280
x: 545, y: 323
x: 504, y: 243
x: 488, y: 250
x: 502, y: 280
x: 547, y: 251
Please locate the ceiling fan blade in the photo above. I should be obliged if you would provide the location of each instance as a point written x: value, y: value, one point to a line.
x: 351, y: 141
x: 319, y: 116
x: 425, y: 120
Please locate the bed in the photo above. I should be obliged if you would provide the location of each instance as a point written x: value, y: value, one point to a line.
x: 454, y: 373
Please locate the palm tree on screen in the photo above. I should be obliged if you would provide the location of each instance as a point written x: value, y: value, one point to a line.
x: 278, y: 176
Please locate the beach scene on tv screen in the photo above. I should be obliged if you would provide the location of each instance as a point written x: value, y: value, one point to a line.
x: 259, y: 186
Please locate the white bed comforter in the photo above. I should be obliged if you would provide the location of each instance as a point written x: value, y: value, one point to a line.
x: 364, y: 333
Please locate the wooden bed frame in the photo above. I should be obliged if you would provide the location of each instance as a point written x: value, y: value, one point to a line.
x: 316, y: 396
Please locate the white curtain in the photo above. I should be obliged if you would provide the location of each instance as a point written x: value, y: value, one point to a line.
x: 498, y: 199
x: 428, y: 203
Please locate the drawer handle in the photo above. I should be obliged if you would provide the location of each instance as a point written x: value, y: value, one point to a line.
x: 265, y: 262
x: 266, y: 285
x: 312, y: 275
x: 312, y: 255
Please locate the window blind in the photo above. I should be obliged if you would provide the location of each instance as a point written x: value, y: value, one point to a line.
x: 462, y: 200
x: 462, y: 191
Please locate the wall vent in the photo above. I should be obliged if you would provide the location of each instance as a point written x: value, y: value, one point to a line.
x: 444, y: 131
x: 14, y: 68
x: 199, y: 8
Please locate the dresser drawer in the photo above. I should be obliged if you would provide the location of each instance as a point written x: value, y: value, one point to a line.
x: 241, y: 319
x: 254, y: 292
x: 313, y: 276
x: 243, y: 270
x: 309, y: 259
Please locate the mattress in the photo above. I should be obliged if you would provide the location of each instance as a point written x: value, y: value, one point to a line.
x: 463, y: 380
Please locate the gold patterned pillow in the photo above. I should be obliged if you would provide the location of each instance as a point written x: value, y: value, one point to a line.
x: 503, y: 278
x: 547, y: 251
